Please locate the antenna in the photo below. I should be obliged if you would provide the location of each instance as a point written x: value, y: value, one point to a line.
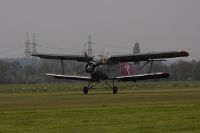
x: 27, y: 46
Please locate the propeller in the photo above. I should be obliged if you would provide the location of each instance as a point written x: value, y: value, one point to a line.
x: 90, y: 65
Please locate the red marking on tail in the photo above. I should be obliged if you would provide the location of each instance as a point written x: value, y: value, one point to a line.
x: 126, y: 69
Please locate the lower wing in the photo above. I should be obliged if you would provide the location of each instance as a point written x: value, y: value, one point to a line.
x: 120, y: 78
x: 142, y: 76
x: 60, y: 76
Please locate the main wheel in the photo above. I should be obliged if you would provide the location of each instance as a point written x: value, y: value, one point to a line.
x: 115, y: 89
x: 85, y: 90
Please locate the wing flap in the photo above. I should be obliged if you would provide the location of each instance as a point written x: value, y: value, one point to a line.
x: 148, y: 56
x: 142, y: 76
x: 69, y: 77
x: 80, y: 58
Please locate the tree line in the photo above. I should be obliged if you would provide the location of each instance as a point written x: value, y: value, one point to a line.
x: 15, y: 72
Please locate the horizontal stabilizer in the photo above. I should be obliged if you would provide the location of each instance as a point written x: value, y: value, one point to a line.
x: 143, y: 76
x: 69, y: 77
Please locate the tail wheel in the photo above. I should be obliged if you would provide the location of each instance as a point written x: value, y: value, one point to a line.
x: 85, y: 90
x: 115, y: 89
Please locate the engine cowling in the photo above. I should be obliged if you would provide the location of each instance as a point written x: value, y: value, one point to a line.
x: 90, y: 67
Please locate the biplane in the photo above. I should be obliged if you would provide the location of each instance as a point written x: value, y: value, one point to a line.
x: 99, y: 68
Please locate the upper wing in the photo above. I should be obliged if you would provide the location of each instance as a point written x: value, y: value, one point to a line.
x: 142, y: 76
x: 148, y: 56
x: 64, y: 57
x: 59, y: 76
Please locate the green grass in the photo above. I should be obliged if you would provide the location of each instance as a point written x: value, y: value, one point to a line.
x: 77, y: 87
x: 143, y: 107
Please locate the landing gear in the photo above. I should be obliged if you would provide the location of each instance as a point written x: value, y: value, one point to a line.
x: 90, y: 86
x: 115, y: 89
x: 85, y: 90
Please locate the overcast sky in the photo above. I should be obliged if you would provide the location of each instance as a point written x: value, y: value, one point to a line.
x: 158, y: 25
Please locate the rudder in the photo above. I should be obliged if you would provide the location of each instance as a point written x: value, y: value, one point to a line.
x: 136, y: 49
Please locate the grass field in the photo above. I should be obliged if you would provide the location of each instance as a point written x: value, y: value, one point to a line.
x: 61, y: 108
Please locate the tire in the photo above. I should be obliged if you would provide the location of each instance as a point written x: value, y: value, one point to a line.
x: 115, y: 89
x: 85, y: 90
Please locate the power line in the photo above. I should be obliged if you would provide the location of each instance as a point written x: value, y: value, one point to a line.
x: 11, y: 50
x: 109, y: 45
x: 56, y: 48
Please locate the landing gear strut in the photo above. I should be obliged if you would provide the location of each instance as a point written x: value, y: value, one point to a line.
x: 113, y: 87
x: 86, y: 88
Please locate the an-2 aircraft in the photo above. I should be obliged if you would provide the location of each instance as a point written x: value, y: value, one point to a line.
x: 100, y: 68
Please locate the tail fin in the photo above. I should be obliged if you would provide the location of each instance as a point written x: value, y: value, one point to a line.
x: 127, y: 67
x: 136, y: 49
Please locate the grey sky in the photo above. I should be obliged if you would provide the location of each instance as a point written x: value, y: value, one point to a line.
x: 158, y: 25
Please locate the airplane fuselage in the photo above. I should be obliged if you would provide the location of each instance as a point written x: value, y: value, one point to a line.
x: 104, y: 71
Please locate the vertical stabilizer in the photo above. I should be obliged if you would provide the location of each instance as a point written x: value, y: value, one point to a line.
x: 127, y: 68
x: 136, y: 49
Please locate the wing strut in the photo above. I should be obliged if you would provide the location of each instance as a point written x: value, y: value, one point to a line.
x: 63, y: 71
x: 152, y: 60
x: 143, y: 65
x: 150, y: 66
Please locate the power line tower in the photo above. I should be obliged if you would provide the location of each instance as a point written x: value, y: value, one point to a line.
x: 34, y: 44
x: 34, y: 50
x: 89, y: 46
x: 27, y: 46
x: 84, y: 48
